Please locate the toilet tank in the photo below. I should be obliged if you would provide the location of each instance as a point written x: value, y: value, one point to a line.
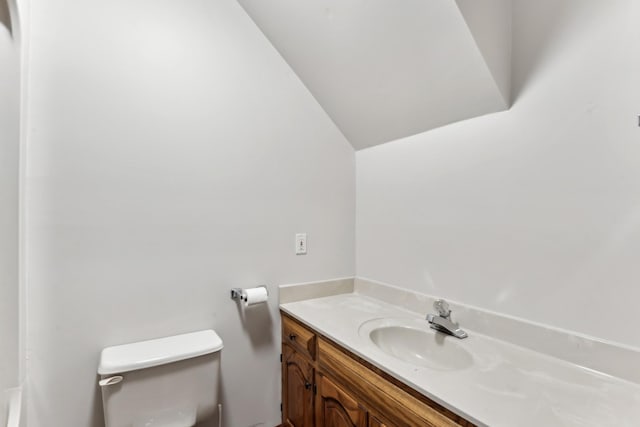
x: 165, y: 382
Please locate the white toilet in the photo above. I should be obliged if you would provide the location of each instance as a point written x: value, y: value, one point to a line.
x: 166, y: 382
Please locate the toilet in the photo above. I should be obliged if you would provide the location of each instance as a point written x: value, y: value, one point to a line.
x: 165, y: 382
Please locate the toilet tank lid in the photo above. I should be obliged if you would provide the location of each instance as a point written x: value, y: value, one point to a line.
x: 146, y: 354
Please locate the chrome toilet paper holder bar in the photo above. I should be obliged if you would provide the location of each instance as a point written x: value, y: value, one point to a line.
x: 236, y: 293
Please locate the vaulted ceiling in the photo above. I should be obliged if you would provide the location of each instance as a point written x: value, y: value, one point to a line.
x: 5, y: 16
x: 384, y: 69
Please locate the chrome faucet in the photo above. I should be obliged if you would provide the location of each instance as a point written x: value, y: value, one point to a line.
x: 442, y: 321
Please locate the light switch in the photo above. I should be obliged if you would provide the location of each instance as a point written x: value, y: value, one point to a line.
x: 301, y: 244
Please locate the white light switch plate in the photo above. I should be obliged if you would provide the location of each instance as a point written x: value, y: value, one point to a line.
x: 301, y: 244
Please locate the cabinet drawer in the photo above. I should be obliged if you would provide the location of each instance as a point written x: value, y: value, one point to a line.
x: 299, y: 337
x: 381, y: 394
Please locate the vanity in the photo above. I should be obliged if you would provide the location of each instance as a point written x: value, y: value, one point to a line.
x: 360, y: 354
x: 324, y: 384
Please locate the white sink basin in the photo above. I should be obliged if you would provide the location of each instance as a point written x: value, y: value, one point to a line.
x: 414, y: 342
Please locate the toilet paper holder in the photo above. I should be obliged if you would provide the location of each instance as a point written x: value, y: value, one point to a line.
x: 237, y: 293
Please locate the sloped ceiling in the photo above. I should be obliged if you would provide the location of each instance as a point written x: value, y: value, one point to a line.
x: 386, y: 69
x: 5, y: 17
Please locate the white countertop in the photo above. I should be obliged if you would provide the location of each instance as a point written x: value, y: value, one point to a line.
x: 505, y: 385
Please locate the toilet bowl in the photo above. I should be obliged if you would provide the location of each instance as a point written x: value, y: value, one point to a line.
x: 179, y: 417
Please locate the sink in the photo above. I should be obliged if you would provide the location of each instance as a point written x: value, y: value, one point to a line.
x: 413, y: 341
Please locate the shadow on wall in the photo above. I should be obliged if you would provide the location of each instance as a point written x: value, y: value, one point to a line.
x: 257, y: 323
x: 97, y: 411
x: 5, y: 15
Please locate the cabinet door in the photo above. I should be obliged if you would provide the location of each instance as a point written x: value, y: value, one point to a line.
x: 335, y: 408
x: 297, y: 389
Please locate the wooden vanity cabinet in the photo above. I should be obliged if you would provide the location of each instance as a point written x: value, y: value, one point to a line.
x: 324, y: 385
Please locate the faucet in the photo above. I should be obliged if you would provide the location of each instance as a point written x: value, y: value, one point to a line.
x: 442, y: 321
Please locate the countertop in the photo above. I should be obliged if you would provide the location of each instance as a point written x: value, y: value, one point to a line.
x: 504, y: 385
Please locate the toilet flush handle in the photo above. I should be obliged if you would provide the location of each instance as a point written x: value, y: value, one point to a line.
x: 111, y: 380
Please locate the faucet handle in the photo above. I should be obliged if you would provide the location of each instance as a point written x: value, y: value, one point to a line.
x: 442, y: 307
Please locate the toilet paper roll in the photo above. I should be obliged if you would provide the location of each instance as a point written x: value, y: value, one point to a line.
x: 253, y: 296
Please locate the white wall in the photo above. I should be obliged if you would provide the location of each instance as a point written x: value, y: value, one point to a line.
x: 9, y: 154
x: 534, y: 212
x: 172, y: 155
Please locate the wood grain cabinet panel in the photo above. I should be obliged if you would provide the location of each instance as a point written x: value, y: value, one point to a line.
x: 297, y: 389
x: 299, y: 337
x: 374, y: 422
x: 335, y: 408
